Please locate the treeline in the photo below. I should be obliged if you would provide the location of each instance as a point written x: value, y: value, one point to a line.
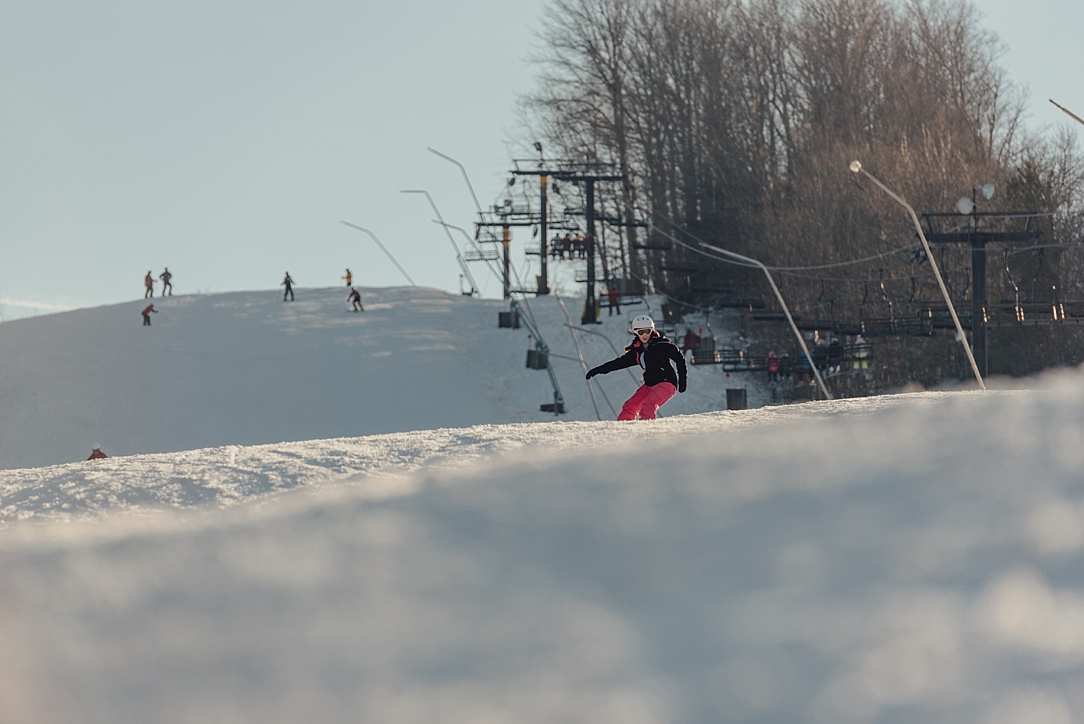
x: 735, y: 122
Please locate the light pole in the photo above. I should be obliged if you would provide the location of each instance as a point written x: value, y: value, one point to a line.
x: 786, y: 311
x: 382, y: 248
x: 458, y: 255
x: 856, y: 167
x: 481, y: 252
x: 1069, y: 113
x: 463, y: 171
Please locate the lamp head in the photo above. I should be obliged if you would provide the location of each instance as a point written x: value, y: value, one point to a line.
x: 856, y: 166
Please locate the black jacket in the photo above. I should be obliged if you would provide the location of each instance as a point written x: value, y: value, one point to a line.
x: 654, y: 358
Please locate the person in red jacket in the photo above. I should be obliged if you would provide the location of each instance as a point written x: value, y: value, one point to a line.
x: 614, y: 298
x: 96, y: 453
x: 653, y: 353
x: 772, y: 363
x: 147, y: 314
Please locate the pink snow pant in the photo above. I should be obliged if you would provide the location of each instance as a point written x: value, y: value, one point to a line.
x: 646, y: 401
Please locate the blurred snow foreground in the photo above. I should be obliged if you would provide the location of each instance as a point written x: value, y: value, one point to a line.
x: 907, y: 558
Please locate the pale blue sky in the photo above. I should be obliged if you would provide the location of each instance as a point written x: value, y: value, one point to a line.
x: 228, y: 139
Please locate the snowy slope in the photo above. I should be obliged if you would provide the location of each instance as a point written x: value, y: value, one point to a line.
x: 246, y: 368
x: 908, y: 558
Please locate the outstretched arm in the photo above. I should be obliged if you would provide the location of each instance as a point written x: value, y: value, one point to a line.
x: 626, y: 360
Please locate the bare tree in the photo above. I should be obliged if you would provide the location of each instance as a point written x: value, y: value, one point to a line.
x: 734, y: 121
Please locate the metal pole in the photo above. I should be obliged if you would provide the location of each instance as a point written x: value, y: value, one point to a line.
x: 463, y: 171
x: 543, y: 251
x: 978, y: 304
x: 458, y: 255
x: 856, y: 167
x: 589, y: 315
x: 506, y: 242
x: 583, y: 364
x: 1072, y: 115
x: 382, y: 248
x: 471, y: 242
x: 786, y: 311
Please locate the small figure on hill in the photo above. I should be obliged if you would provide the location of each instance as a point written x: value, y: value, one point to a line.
x: 772, y: 363
x: 165, y: 277
x: 148, y: 285
x: 349, y: 278
x: 289, y: 284
x: 355, y: 300
x: 147, y: 312
x: 96, y: 453
x: 653, y: 353
x: 691, y: 341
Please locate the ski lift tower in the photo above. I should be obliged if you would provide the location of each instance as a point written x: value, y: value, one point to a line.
x: 581, y: 173
x: 977, y: 230
x: 544, y: 170
x: 509, y: 217
x: 543, y: 181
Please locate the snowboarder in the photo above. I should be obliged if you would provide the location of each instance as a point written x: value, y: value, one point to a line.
x: 148, y: 284
x: 165, y: 277
x: 349, y: 278
x: 289, y: 282
x: 355, y: 300
x: 147, y: 312
x: 654, y: 353
x: 96, y: 453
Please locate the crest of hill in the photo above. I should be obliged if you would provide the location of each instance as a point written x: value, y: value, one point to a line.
x: 246, y: 368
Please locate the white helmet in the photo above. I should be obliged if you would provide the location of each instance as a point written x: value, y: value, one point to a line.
x: 642, y: 322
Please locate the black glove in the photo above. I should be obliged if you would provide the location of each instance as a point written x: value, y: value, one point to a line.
x: 681, y: 385
x: 592, y: 373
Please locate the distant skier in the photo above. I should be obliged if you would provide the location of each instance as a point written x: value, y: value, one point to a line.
x: 148, y: 284
x: 614, y: 298
x: 289, y: 283
x: 165, y: 277
x: 772, y: 365
x: 147, y: 312
x: 97, y: 454
x: 355, y: 300
x: 349, y: 278
x: 691, y: 341
x: 653, y: 353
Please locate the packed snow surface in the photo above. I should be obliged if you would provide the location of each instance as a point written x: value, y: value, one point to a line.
x: 324, y: 517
